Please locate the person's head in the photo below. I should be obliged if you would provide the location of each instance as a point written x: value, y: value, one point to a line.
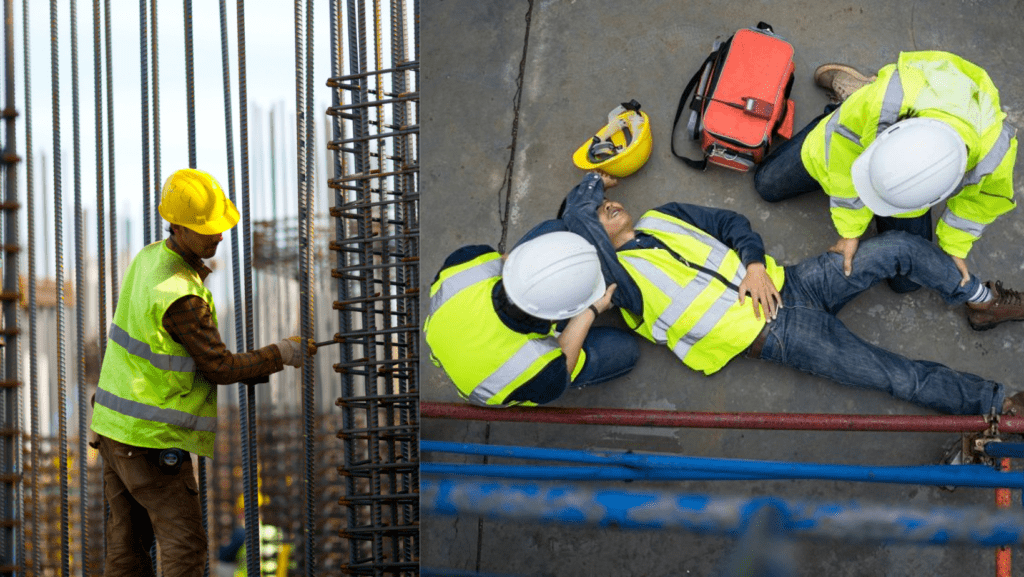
x: 554, y: 276
x: 197, y: 209
x: 616, y: 222
x: 916, y: 163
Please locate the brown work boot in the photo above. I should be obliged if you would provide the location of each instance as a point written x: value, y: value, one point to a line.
x: 1006, y: 305
x: 840, y: 80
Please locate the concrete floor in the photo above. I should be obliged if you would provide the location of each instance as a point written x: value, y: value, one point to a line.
x: 582, y: 58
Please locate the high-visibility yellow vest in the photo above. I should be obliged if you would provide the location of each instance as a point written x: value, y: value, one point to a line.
x: 692, y: 306
x: 485, y: 359
x: 927, y: 84
x: 149, y: 393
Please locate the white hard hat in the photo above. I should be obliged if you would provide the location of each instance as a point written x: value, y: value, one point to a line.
x: 554, y: 276
x: 913, y: 164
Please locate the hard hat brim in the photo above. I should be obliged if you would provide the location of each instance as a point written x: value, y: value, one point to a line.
x: 225, y: 222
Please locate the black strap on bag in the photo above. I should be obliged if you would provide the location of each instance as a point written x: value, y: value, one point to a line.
x: 711, y: 60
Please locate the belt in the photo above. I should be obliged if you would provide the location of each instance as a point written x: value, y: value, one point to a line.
x: 754, y: 350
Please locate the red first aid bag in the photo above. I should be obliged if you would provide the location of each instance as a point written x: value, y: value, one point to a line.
x: 740, y: 99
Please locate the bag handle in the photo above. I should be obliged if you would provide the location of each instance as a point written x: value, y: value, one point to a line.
x: 698, y: 164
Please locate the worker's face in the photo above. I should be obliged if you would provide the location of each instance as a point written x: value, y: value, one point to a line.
x: 615, y: 219
x: 201, y: 245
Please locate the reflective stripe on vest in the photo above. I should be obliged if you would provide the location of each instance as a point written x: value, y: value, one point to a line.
x: 529, y: 353
x: 891, y: 103
x: 140, y: 349
x: 993, y: 158
x: 454, y: 284
x: 854, y: 203
x: 150, y: 413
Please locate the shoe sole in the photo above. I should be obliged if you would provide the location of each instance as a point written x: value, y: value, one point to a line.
x: 987, y: 326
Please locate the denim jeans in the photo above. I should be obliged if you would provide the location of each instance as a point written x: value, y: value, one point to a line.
x: 807, y: 336
x: 611, y: 353
x: 782, y: 175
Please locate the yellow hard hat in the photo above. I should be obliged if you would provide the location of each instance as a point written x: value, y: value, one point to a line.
x: 193, y: 199
x: 622, y: 146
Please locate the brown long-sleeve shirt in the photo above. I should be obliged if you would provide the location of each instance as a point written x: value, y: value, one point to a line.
x: 189, y: 322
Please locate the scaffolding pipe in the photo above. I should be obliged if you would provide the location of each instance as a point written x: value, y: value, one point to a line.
x: 635, y: 466
x: 728, y: 515
x: 708, y: 420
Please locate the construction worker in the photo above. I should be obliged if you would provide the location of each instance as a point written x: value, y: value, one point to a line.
x: 156, y: 402
x: 492, y: 321
x: 688, y: 271
x: 925, y: 129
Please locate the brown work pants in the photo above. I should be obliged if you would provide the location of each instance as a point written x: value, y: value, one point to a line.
x: 146, y: 502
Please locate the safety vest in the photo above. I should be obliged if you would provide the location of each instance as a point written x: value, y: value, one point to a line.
x: 921, y: 84
x: 485, y: 359
x: 690, y: 293
x: 149, y: 393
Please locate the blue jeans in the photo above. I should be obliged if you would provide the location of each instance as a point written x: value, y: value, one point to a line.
x: 611, y: 353
x: 807, y: 336
x: 782, y: 175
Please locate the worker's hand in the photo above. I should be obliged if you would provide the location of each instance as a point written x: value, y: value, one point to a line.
x: 846, y: 247
x: 609, y: 180
x: 605, y: 302
x: 763, y: 294
x: 291, y: 350
x: 961, y: 266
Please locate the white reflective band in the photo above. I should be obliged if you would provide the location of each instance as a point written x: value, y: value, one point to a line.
x: 830, y: 128
x: 962, y: 224
x: 854, y: 203
x: 679, y: 299
x: 891, y: 103
x: 848, y: 134
x: 463, y: 280
x: 718, y: 250
x: 155, y: 414
x: 135, y: 347
x: 993, y: 159
x: 704, y: 326
x: 512, y: 368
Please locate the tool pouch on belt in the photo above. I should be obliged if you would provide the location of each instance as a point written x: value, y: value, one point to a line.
x: 740, y: 100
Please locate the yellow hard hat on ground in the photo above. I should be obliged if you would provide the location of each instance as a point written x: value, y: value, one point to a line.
x: 193, y: 199
x: 622, y: 146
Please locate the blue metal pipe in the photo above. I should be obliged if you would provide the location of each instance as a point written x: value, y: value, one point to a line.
x: 623, y: 466
x: 718, y: 514
x: 999, y: 450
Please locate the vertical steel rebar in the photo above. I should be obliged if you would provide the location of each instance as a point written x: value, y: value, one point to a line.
x: 83, y: 469
x: 13, y: 484
x: 147, y: 233
x: 252, y: 498
x: 65, y: 536
x: 33, y: 362
x: 110, y: 157
x: 155, y: 50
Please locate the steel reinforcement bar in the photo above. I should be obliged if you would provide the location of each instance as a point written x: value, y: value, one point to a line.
x: 374, y: 176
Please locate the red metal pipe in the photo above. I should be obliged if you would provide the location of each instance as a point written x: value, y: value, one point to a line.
x: 691, y: 419
x: 1004, y: 556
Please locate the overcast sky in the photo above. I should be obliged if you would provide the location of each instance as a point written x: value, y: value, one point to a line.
x: 270, y: 81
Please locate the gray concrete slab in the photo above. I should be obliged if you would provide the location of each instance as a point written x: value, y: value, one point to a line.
x: 582, y: 58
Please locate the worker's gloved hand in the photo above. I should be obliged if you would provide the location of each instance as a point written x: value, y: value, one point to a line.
x: 291, y: 350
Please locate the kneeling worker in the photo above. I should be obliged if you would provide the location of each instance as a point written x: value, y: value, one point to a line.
x: 156, y: 401
x: 492, y: 326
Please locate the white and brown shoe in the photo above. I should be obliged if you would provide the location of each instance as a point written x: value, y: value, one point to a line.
x: 1006, y: 305
x: 840, y: 80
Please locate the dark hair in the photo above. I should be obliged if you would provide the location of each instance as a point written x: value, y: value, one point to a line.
x: 170, y: 229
